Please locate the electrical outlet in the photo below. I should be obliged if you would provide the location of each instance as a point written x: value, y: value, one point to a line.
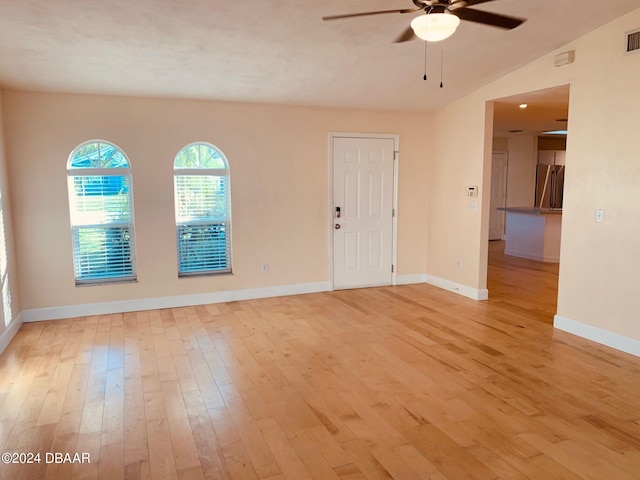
x: 459, y: 264
x: 599, y: 216
x: 265, y: 267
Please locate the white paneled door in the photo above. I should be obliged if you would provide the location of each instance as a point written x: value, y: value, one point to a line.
x: 363, y: 189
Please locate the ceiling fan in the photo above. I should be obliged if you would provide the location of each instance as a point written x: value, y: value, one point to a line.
x: 441, y: 18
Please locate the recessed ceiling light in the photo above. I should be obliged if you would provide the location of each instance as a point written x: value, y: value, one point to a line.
x: 555, y: 132
x: 515, y: 131
x: 523, y: 105
x: 562, y: 119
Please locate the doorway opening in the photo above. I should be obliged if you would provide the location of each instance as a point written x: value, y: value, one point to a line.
x: 525, y: 278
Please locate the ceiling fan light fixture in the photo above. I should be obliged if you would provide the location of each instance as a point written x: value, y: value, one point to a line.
x: 434, y: 27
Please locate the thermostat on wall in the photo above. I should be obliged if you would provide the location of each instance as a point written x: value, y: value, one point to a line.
x: 472, y: 191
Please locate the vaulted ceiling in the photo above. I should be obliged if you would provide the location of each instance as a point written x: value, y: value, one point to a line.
x: 274, y: 51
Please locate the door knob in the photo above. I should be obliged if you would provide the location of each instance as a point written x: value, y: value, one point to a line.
x: 337, y: 226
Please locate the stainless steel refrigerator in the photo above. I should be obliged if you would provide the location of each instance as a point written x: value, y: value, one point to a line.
x: 549, y: 186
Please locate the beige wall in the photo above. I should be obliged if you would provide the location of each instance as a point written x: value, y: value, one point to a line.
x: 279, y: 163
x: 453, y: 237
x: 598, y: 283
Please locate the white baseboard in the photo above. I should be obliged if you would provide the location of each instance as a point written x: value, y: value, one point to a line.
x: 10, y: 332
x: 105, y: 308
x: 531, y: 256
x: 599, y: 335
x: 410, y: 279
x: 474, y: 293
x: 72, y: 311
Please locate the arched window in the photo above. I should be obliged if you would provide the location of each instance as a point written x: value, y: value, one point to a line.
x: 203, y: 210
x: 100, y: 205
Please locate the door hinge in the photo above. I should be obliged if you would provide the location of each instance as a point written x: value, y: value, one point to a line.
x: 393, y: 213
x: 395, y: 154
x: 392, y: 268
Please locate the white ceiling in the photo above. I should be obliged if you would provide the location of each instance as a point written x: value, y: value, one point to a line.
x: 274, y: 51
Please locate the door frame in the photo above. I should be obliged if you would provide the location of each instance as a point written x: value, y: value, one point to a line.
x: 394, y: 220
x: 506, y: 188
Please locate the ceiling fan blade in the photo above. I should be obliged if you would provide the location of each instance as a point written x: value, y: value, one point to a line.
x: 471, y: 3
x: 457, y: 4
x: 487, y: 18
x: 405, y: 36
x: 364, y: 14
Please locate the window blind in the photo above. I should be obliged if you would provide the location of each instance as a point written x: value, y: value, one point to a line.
x: 99, y: 199
x: 203, y: 248
x: 102, y: 253
x: 101, y: 215
x: 201, y: 197
x: 203, y: 220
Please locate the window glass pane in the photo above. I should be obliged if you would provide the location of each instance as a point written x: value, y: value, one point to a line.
x: 202, y: 203
x: 102, y: 253
x: 201, y: 197
x: 100, y: 207
x: 99, y: 199
x: 98, y: 155
x: 203, y: 248
x: 199, y: 156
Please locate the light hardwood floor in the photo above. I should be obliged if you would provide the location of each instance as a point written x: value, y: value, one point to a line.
x: 404, y: 383
x: 522, y: 286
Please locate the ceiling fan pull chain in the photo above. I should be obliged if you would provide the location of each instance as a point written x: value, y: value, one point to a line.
x: 441, y: 66
x: 425, y: 61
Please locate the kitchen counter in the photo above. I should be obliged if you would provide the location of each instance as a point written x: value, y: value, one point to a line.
x: 533, y: 210
x: 533, y: 233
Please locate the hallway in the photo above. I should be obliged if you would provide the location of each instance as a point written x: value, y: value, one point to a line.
x: 521, y: 285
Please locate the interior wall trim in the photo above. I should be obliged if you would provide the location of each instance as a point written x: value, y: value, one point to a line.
x: 105, y: 308
x: 464, y: 290
x: 10, y: 332
x: 598, y: 335
x: 84, y: 310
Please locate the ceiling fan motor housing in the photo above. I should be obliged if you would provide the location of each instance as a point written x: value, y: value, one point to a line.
x: 444, y: 15
x: 438, y: 6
